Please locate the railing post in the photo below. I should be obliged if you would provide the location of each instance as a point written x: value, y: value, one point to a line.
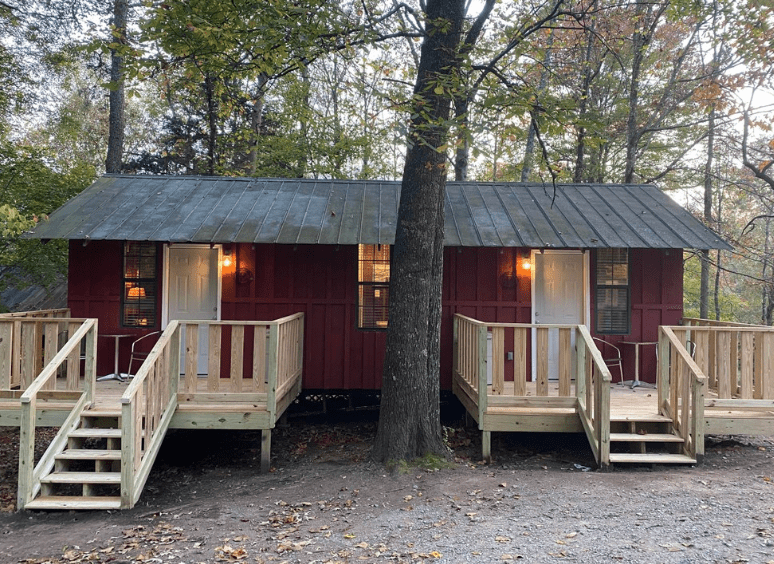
x: 90, y: 364
x: 662, y: 370
x: 580, y: 368
x: 697, y: 424
x: 26, y: 451
x: 603, y: 421
x: 482, y: 383
x: 174, y: 361
x: 455, y: 347
x: 128, y: 430
x: 271, y: 388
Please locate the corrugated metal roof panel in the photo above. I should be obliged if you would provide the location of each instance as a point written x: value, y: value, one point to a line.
x: 341, y: 212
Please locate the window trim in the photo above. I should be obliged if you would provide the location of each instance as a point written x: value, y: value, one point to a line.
x: 147, y: 281
x: 598, y: 285
x: 362, y: 284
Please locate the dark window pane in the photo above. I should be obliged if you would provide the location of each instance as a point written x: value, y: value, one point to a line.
x: 373, y: 286
x: 140, y: 282
x: 612, y: 292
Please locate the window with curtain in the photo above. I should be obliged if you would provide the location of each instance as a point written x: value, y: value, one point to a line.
x: 613, y: 311
x: 373, y: 280
x: 138, y: 300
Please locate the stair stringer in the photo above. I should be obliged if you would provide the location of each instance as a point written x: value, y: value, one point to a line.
x: 46, y: 464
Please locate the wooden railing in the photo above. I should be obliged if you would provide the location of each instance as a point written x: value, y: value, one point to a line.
x: 586, y: 369
x: 40, y: 313
x: 147, y: 406
x: 273, y: 350
x: 737, y: 359
x: 29, y: 473
x: 27, y: 344
x: 592, y: 385
x: 681, y: 386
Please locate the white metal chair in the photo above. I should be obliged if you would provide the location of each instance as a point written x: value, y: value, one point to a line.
x: 613, y: 360
x: 139, y: 355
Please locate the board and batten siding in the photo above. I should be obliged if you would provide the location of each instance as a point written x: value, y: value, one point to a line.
x: 485, y: 283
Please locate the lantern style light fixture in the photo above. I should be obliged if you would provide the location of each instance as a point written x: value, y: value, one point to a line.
x: 226, y: 257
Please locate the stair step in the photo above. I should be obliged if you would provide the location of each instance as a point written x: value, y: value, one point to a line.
x: 107, y: 412
x: 652, y: 418
x: 75, y: 502
x: 88, y: 454
x: 653, y: 458
x: 82, y: 478
x: 647, y: 438
x: 95, y: 433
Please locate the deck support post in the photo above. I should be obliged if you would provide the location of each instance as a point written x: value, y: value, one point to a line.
x: 486, y: 446
x: 265, y: 450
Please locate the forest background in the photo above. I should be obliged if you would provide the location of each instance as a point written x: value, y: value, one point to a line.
x: 674, y: 93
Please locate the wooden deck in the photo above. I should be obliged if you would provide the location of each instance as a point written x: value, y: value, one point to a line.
x: 48, y: 378
x: 725, y: 385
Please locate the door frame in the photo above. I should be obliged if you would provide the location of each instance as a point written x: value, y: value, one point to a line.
x: 586, y: 309
x: 165, y: 278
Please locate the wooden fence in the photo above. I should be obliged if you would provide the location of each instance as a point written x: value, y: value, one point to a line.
x: 737, y: 359
x: 681, y: 388
x: 27, y: 344
x: 84, y: 338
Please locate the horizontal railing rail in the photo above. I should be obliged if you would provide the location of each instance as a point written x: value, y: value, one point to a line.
x: 40, y: 313
x: 30, y: 474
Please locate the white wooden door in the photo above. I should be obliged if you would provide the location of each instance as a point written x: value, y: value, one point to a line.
x: 193, y: 292
x: 559, y: 297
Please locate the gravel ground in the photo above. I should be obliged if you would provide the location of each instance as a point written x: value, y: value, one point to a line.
x: 325, y: 502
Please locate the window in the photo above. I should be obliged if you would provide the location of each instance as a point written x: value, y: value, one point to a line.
x: 138, y: 301
x: 373, y: 281
x: 612, y: 292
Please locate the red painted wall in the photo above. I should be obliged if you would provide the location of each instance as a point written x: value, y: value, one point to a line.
x: 656, y: 298
x: 94, y: 290
x: 321, y: 281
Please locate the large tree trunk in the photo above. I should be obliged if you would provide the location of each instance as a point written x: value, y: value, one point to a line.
x: 116, y: 118
x: 409, y: 418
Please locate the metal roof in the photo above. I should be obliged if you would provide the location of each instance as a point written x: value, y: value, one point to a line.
x: 183, y: 209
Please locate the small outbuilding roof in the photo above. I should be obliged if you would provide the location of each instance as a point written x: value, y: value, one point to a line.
x: 191, y: 209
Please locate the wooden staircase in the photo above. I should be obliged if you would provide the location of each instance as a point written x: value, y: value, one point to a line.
x: 646, y: 439
x: 87, y: 471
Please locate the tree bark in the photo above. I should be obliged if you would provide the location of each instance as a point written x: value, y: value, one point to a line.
x: 212, y: 135
x: 704, y: 254
x: 116, y: 125
x: 409, y: 417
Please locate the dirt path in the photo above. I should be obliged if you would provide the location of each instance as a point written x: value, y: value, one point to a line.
x: 324, y: 502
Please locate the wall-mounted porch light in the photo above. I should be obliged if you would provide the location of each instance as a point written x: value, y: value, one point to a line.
x: 226, y: 257
x: 526, y: 262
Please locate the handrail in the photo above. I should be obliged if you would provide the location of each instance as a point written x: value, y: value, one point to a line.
x: 29, y: 473
x: 681, y: 384
x: 40, y: 313
x: 147, y: 406
x: 592, y: 387
x: 701, y: 322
